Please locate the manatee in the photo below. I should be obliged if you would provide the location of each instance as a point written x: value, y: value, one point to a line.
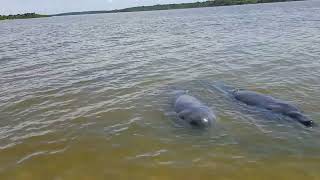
x: 272, y: 104
x: 194, y: 112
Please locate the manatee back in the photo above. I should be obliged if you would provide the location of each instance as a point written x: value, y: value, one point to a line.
x: 253, y: 98
x: 185, y: 102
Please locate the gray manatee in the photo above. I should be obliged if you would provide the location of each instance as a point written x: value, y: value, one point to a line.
x: 193, y: 111
x: 272, y: 104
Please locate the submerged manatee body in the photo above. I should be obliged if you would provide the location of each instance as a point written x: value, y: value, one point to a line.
x: 193, y: 111
x: 272, y: 104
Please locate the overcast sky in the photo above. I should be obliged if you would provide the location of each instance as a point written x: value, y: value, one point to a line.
x: 59, y: 6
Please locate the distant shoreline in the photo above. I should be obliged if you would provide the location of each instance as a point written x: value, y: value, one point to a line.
x: 210, y: 3
x: 22, y: 16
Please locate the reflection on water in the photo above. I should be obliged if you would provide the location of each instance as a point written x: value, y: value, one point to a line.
x: 88, y: 97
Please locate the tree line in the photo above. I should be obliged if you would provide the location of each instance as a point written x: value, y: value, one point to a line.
x: 211, y: 3
x: 22, y: 16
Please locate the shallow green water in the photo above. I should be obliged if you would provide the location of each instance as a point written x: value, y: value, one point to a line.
x: 88, y: 97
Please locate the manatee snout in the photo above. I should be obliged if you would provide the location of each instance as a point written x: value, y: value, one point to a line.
x: 198, y: 117
x: 301, y: 119
x: 201, y: 123
x: 307, y: 123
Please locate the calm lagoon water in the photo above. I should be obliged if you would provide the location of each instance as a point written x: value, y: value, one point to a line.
x: 88, y: 97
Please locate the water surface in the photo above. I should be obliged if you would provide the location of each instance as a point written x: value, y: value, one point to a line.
x: 88, y: 97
